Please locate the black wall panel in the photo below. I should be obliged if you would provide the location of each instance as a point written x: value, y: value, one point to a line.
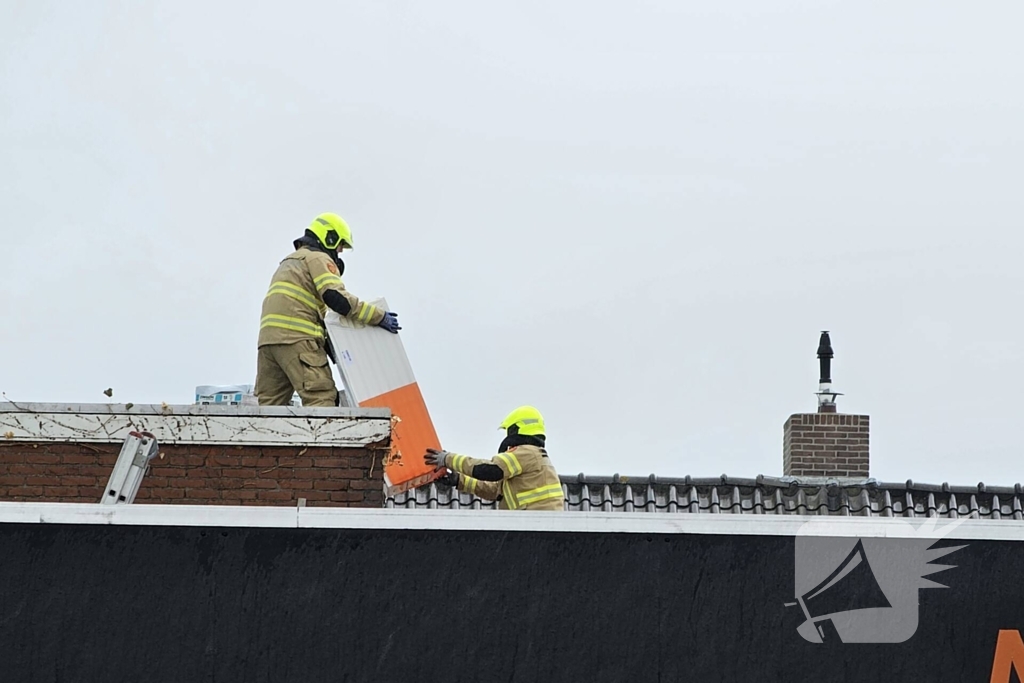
x: 154, y: 604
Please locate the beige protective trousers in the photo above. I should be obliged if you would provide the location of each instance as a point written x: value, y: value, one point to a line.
x: 282, y: 369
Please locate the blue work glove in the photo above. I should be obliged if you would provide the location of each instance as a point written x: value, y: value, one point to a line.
x: 390, y: 322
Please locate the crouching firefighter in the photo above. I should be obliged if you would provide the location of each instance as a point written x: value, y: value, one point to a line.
x: 520, y: 477
x: 293, y: 344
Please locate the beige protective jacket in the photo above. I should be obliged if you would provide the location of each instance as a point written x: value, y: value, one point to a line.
x: 294, y: 306
x: 530, y: 481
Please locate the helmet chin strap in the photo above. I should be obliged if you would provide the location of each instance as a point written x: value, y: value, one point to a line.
x: 312, y: 241
x: 517, y: 439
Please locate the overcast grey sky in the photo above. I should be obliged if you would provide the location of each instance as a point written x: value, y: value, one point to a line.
x: 637, y: 216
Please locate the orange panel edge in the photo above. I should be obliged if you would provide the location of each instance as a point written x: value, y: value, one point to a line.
x: 411, y: 435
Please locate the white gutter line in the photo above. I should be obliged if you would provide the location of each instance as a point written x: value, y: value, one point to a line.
x: 499, y: 520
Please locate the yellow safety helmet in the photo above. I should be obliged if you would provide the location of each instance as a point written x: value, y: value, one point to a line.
x: 332, y: 231
x: 527, y: 421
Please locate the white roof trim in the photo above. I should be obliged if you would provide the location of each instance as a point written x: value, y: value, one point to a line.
x: 190, y: 409
x: 499, y: 520
x: 193, y: 424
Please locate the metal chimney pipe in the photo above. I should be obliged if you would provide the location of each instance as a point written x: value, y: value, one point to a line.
x: 826, y: 397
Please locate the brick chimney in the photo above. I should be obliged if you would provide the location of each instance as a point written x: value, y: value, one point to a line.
x: 826, y: 443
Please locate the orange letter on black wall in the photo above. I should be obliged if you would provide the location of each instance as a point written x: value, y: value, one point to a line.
x: 1009, y: 654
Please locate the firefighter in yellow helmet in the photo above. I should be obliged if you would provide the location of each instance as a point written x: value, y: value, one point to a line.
x: 520, y: 477
x: 292, y: 344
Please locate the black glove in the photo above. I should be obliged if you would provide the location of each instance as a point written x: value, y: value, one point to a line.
x: 390, y: 322
x: 450, y: 479
x: 328, y: 346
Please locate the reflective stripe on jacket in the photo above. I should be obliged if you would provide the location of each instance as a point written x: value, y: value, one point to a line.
x: 530, y: 481
x: 294, y: 305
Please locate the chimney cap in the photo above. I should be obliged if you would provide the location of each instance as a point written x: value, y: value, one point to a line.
x: 825, y: 346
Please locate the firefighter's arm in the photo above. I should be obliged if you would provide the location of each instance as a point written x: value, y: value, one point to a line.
x: 488, y: 490
x: 502, y: 466
x: 331, y: 290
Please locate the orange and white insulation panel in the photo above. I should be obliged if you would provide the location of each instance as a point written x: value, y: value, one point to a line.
x: 376, y: 373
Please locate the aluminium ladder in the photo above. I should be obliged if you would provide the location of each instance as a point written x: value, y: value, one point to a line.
x: 138, y: 449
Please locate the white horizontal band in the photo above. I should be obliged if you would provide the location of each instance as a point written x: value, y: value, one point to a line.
x: 503, y: 520
x: 194, y: 424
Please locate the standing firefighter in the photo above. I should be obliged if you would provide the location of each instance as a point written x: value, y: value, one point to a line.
x: 520, y: 477
x: 292, y: 343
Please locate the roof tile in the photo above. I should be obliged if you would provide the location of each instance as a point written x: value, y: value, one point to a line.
x: 760, y: 496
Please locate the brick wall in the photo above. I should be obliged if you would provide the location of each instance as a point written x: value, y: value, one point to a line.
x: 826, y: 445
x: 227, y: 455
x: 197, y: 474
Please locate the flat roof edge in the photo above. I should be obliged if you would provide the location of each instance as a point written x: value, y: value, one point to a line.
x: 504, y: 521
x: 195, y: 425
x: 193, y: 409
